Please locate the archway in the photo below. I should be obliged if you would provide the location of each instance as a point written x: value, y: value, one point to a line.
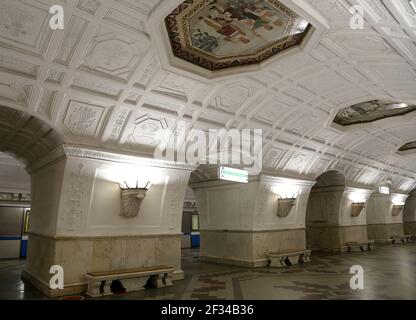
x: 27, y: 139
x: 336, y: 214
x: 409, y: 214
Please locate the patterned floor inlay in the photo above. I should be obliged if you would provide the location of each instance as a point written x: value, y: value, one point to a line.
x: 388, y: 274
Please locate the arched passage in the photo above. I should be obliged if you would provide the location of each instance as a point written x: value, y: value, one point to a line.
x: 27, y: 139
x: 409, y: 214
x: 336, y: 214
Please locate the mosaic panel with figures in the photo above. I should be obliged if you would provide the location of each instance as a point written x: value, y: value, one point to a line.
x: 371, y: 111
x: 225, y: 33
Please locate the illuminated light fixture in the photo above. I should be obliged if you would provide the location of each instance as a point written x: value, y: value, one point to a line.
x: 384, y: 190
x: 356, y: 209
x: 398, y: 204
x: 397, y: 201
x: 131, y: 199
x: 286, y: 198
x: 358, y: 203
x: 231, y: 174
x: 413, y: 5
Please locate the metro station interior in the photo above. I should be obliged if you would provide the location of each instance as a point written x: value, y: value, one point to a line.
x: 207, y: 149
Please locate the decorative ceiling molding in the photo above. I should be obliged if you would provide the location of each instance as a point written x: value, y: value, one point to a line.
x: 112, y: 67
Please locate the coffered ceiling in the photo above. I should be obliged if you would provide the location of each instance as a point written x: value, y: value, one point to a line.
x: 103, y: 81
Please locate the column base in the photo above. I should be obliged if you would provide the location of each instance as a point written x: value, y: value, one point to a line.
x: 249, y: 248
x: 385, y: 232
x: 334, y: 238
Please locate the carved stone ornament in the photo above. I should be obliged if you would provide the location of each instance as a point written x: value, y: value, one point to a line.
x: 397, y: 210
x: 131, y: 200
x: 284, y: 206
x: 356, y: 209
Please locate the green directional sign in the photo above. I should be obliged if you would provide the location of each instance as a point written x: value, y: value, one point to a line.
x: 231, y: 174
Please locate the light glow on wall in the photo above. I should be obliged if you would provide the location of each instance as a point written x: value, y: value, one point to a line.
x: 286, y: 191
x: 132, y: 175
x: 357, y: 197
x: 397, y: 200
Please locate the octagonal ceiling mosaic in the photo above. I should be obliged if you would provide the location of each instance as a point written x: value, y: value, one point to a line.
x: 226, y: 33
x: 371, y: 111
x: 408, y: 146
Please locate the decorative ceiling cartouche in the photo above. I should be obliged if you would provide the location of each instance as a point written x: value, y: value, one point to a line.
x: 371, y: 111
x: 226, y: 33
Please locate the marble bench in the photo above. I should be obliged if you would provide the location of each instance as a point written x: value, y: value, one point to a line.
x: 99, y: 283
x: 396, y: 239
x: 289, y: 258
x: 362, y: 245
x: 403, y: 239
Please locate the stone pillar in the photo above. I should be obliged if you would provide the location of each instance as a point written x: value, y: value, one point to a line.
x: 76, y: 220
x: 409, y: 215
x: 330, y: 222
x: 239, y: 223
x: 382, y: 223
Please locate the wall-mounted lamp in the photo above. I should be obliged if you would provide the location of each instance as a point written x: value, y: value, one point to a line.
x: 357, y: 208
x: 131, y: 199
x: 358, y: 199
x: 286, y: 198
x: 397, y: 210
x: 284, y: 206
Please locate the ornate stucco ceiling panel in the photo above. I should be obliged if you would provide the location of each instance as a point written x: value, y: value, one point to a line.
x: 325, y: 82
x: 232, y: 96
x: 334, y: 10
x: 46, y: 103
x: 273, y: 112
x: 177, y: 86
x: 24, y: 27
x: 359, y: 43
x: 96, y: 85
x: 272, y: 157
x: 70, y: 39
x: 89, y: 6
x: 15, y: 93
x: 18, y: 66
x: 113, y: 54
x: 148, y: 130
x: 83, y: 119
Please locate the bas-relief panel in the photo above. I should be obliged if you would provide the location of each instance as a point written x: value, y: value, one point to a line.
x: 83, y: 119
x: 371, y: 111
x: 223, y: 33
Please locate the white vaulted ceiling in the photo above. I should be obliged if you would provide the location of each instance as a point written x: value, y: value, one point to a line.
x: 102, y: 82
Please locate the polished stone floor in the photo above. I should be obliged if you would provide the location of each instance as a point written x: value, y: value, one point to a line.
x: 389, y: 273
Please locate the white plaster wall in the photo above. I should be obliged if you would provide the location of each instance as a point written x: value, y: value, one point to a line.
x: 345, y: 217
x: 380, y: 209
x: 248, y: 207
x: 90, y: 202
x: 332, y: 206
